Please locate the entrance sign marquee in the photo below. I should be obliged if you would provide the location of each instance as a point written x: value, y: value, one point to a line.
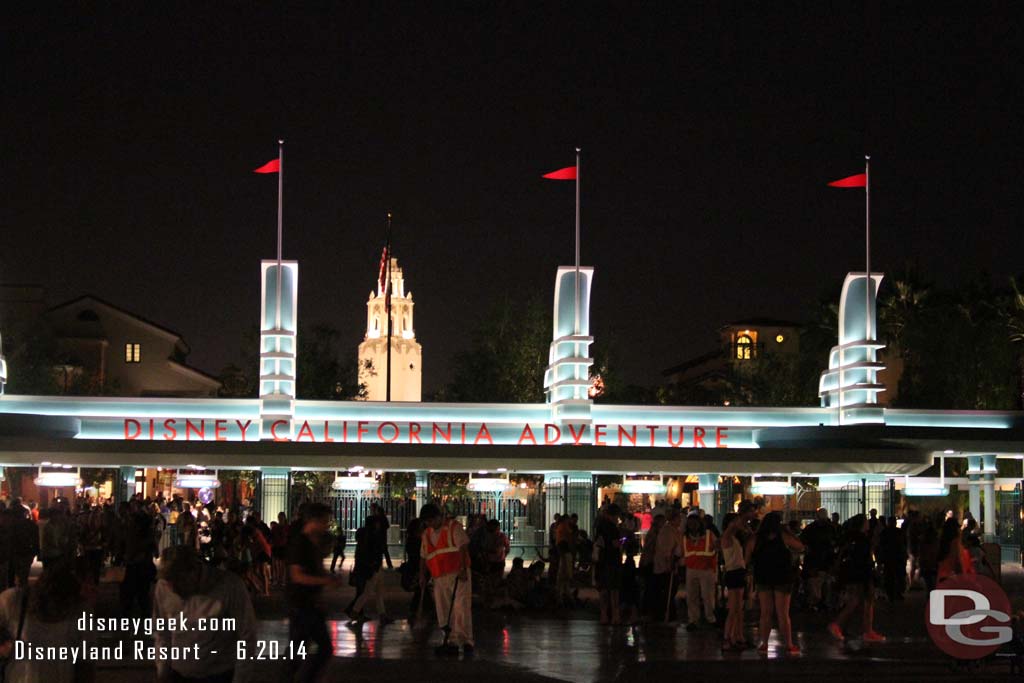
x: 461, y: 433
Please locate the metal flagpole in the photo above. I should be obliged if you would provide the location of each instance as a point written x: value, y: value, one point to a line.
x: 577, y: 302
x: 867, y: 251
x: 280, y: 206
x: 387, y: 308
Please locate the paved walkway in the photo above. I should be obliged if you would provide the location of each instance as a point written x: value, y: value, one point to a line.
x: 571, y: 646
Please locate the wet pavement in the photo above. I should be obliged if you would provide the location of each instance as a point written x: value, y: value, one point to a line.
x: 570, y: 645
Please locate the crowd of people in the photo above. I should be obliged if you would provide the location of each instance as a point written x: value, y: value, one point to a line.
x: 129, y: 536
x: 642, y: 565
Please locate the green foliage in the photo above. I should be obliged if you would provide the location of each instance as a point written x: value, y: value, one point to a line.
x: 38, y: 366
x: 507, y: 356
x: 324, y: 371
x: 401, y: 484
x: 31, y: 357
x: 444, y: 485
x: 955, y: 346
x: 614, y: 389
x: 321, y: 372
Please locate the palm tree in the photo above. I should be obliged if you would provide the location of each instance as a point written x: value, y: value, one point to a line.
x: 1014, y: 313
x: 899, y: 310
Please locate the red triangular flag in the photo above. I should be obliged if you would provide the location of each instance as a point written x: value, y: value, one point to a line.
x: 270, y: 167
x: 567, y: 173
x: 859, y: 180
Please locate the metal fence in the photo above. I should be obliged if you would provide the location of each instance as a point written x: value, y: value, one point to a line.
x: 521, y: 521
x: 1009, y: 530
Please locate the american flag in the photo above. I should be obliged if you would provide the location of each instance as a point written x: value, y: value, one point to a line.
x: 382, y: 277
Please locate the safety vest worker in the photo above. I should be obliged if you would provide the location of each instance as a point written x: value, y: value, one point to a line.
x: 700, y: 553
x: 442, y: 555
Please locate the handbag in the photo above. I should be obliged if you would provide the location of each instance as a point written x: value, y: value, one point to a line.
x: 21, y: 626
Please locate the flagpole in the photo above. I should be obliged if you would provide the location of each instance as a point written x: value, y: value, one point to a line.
x: 867, y: 251
x: 577, y: 300
x: 387, y: 307
x: 280, y: 213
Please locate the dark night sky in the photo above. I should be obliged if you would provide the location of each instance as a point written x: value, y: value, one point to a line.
x: 708, y: 137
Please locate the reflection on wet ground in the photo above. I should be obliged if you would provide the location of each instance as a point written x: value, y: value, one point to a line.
x: 582, y: 650
x: 572, y: 646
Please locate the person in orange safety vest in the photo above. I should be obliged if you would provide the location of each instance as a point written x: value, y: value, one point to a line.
x: 700, y: 555
x: 444, y: 557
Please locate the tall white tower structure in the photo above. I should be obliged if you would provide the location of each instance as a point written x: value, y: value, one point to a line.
x: 406, y: 353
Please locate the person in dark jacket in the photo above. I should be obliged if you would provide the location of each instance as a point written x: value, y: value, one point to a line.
x: 856, y: 569
x: 410, y: 570
x: 367, y: 571
x: 892, y: 550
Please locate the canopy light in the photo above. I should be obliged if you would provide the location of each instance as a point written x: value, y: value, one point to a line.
x: 926, y: 491
x: 652, y: 486
x: 58, y: 479
x: 357, y: 483
x: 772, y: 488
x: 487, y: 484
x: 196, y: 481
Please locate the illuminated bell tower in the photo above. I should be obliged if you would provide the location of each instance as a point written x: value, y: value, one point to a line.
x: 406, y: 352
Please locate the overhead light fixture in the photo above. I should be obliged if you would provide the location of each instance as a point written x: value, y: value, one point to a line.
x: 487, y: 484
x: 772, y: 488
x: 503, y: 469
x: 58, y: 479
x: 356, y: 483
x: 949, y: 451
x: 196, y: 480
x: 925, y: 490
x: 649, y: 486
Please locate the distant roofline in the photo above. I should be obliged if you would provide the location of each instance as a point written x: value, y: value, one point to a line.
x: 122, y: 311
x: 693, y: 362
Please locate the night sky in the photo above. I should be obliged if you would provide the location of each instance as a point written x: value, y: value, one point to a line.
x: 708, y: 137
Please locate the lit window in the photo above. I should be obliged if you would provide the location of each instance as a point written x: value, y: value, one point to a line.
x: 779, y: 339
x: 132, y: 353
x: 743, y: 346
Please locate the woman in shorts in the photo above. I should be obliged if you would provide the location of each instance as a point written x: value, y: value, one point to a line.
x: 769, y: 552
x: 734, y: 579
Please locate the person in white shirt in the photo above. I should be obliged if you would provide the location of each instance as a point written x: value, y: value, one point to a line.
x: 668, y: 550
x: 191, y: 587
